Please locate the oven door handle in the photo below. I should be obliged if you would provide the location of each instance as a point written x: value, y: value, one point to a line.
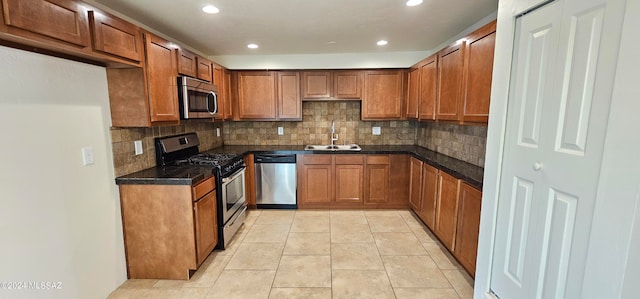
x: 234, y: 175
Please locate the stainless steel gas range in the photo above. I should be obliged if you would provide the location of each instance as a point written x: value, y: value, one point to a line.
x: 228, y: 170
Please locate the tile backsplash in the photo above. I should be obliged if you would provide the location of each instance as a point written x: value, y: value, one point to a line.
x: 125, y: 159
x: 466, y: 143
x: 316, y: 128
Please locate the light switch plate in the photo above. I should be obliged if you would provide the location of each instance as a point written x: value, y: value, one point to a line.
x: 375, y: 130
x: 87, y: 155
x: 218, y: 132
x: 280, y: 131
x: 138, y: 146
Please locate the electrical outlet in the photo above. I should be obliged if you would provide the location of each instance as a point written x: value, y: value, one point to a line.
x: 218, y: 132
x: 375, y: 130
x: 280, y: 131
x: 138, y: 146
x: 87, y: 155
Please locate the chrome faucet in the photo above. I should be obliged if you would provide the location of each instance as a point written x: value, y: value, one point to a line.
x: 333, y: 132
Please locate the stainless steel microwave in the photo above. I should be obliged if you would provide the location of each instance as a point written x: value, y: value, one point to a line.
x: 197, y: 98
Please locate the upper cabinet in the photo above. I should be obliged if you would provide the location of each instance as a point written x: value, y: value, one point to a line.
x: 268, y: 96
x: 194, y: 66
x: 64, y: 22
x: 428, y: 87
x: 116, y: 37
x: 478, y: 74
x: 413, y: 93
x: 327, y: 85
x: 382, y: 96
x: 143, y: 97
x: 450, y: 75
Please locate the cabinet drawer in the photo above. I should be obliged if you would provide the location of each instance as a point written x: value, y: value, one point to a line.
x: 377, y: 159
x: 203, y: 188
x: 316, y: 159
x: 349, y: 160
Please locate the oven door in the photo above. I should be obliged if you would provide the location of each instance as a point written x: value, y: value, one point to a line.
x: 233, y: 194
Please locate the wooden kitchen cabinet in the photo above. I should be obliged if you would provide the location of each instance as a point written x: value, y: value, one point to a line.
x: 315, y: 180
x: 428, y: 87
x: 113, y: 36
x: 447, y: 209
x: 228, y: 95
x: 415, y: 185
x: 219, y: 80
x: 162, y: 73
x: 60, y: 23
x: 316, y: 84
x: 349, y: 179
x: 169, y: 230
x: 187, y: 63
x: 450, y: 76
x: 478, y: 73
x: 250, y: 181
x: 289, y: 103
x: 257, y: 95
x: 204, y: 69
x: 398, y: 182
x: 413, y: 93
x: 429, y: 195
x: 377, y: 179
x: 468, y: 227
x: 347, y: 84
x: 382, y: 96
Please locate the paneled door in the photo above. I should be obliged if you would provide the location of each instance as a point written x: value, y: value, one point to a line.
x: 565, y: 54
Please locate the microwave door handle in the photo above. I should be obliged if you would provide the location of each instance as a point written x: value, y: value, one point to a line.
x: 215, y: 104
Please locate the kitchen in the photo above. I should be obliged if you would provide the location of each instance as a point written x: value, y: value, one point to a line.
x: 68, y: 213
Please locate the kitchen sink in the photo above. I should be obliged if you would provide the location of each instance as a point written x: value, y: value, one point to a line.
x: 347, y: 147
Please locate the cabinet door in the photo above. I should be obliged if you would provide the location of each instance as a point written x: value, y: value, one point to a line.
x: 447, y: 209
x: 316, y: 84
x: 162, y: 73
x: 382, y: 98
x: 206, y: 226
x: 347, y: 84
x: 250, y: 180
x: 116, y: 37
x: 450, y: 75
x: 187, y: 63
x: 218, y: 81
x: 470, y: 201
x: 349, y: 183
x: 377, y: 179
x: 315, y: 180
x: 228, y: 95
x: 429, y: 195
x: 257, y: 95
x: 399, y: 174
x: 478, y: 72
x: 428, y: 88
x: 289, y: 101
x: 413, y: 93
x: 204, y: 69
x: 415, y: 185
x: 60, y: 20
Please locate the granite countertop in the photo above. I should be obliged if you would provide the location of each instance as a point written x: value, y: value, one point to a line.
x: 187, y: 175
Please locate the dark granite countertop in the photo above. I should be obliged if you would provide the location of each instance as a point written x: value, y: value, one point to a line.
x: 186, y: 175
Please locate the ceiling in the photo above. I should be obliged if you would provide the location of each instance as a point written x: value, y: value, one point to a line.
x: 286, y: 27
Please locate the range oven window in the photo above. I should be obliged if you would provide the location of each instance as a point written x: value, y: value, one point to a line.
x: 233, y: 193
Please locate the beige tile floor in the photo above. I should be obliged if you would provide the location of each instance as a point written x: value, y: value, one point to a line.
x: 320, y: 254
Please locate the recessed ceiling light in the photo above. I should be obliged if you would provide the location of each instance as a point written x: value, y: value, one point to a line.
x: 210, y: 9
x: 252, y: 46
x: 331, y: 42
x: 382, y: 42
x: 414, y: 2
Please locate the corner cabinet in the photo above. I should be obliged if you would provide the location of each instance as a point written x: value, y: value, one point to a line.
x: 169, y: 230
x: 382, y: 96
x: 413, y: 93
x: 269, y: 96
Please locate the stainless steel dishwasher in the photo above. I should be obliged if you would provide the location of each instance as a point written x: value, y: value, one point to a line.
x: 275, y: 181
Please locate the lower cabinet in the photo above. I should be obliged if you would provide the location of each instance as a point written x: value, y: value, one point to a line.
x: 449, y: 207
x: 351, y: 181
x: 469, y: 203
x: 169, y: 230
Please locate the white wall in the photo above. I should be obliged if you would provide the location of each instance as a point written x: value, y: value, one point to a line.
x: 59, y: 220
